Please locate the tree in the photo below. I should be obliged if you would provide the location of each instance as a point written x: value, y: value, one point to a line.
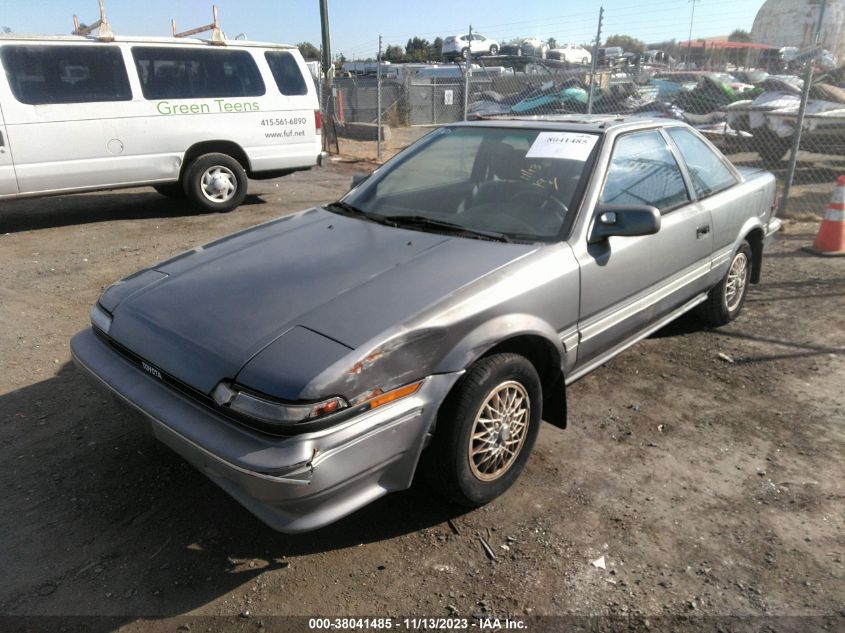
x: 629, y: 44
x: 394, y: 54
x: 552, y: 42
x: 739, y: 35
x: 436, y: 52
x: 417, y: 50
x: 309, y: 51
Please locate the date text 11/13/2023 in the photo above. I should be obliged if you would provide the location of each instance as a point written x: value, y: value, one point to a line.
x: 416, y: 623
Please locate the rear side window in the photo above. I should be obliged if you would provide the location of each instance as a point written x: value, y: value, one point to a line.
x: 708, y: 172
x: 66, y: 74
x: 286, y: 72
x: 644, y: 171
x: 195, y: 73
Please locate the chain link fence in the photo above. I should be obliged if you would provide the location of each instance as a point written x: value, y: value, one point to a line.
x: 751, y: 115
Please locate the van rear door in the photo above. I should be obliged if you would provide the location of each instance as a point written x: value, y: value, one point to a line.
x: 8, y: 182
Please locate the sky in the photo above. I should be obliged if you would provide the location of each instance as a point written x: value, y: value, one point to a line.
x: 356, y: 25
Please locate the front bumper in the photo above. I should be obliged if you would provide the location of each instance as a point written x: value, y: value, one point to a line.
x: 293, y: 484
x: 772, y: 226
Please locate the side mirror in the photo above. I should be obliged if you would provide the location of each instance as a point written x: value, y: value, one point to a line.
x: 624, y: 220
x: 358, y: 177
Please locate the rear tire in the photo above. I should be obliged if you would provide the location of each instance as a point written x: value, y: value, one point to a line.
x: 485, y: 431
x: 725, y: 300
x: 216, y: 182
x: 464, y: 53
x: 494, y: 50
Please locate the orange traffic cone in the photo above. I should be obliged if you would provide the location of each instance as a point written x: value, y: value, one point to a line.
x: 831, y: 237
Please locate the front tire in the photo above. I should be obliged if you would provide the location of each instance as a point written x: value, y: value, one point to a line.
x: 485, y: 431
x: 725, y: 301
x: 464, y: 53
x: 216, y: 182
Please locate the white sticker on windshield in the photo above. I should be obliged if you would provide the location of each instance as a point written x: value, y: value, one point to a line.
x: 571, y: 145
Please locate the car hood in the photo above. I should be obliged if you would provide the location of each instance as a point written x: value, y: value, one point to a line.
x: 202, y: 316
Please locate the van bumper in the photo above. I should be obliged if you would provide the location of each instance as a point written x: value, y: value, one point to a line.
x: 293, y: 484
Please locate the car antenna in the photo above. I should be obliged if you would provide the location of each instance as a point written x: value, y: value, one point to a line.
x: 217, y: 36
x: 102, y: 25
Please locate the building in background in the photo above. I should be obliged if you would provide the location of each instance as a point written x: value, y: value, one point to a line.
x: 793, y: 23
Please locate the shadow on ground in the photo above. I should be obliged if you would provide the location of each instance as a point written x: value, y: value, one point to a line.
x: 110, y: 496
x: 43, y: 213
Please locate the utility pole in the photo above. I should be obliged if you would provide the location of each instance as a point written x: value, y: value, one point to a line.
x: 802, y: 108
x: 468, y: 73
x: 378, y: 100
x: 595, y: 62
x: 689, y: 41
x: 326, y: 62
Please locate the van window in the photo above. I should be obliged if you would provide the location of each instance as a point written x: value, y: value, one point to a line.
x: 66, y: 74
x: 194, y: 73
x: 286, y: 72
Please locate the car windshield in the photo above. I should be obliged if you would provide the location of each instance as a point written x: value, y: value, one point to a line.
x: 518, y: 184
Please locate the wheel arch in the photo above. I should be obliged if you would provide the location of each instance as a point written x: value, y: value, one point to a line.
x: 230, y: 148
x: 527, y: 336
x: 545, y: 358
x: 755, y: 239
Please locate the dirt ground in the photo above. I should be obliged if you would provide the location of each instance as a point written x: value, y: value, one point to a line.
x: 705, y: 466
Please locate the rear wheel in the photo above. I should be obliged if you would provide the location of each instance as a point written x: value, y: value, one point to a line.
x: 485, y: 431
x: 216, y: 182
x: 494, y: 50
x: 464, y: 53
x: 725, y: 301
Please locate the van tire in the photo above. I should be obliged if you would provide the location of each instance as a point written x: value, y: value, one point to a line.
x: 174, y: 190
x: 216, y: 182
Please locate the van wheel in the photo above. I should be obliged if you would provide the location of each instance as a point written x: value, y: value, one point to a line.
x: 485, y: 431
x: 216, y: 182
x: 171, y: 191
x: 724, y: 302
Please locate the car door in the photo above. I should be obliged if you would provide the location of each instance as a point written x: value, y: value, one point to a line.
x: 630, y: 283
x: 8, y: 182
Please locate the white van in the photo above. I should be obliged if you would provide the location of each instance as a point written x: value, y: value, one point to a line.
x: 186, y: 116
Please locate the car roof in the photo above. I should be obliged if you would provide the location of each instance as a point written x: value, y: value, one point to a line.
x: 595, y: 123
x: 10, y: 37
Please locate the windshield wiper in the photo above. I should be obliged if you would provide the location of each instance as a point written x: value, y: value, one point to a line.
x: 422, y: 222
x: 344, y: 208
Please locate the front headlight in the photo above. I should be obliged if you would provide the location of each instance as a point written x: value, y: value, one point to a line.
x: 274, y: 412
x: 100, y: 319
x: 285, y: 414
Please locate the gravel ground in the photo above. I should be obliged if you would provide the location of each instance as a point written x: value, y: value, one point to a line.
x: 705, y: 467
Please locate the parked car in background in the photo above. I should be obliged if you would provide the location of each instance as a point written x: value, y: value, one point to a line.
x: 609, y: 55
x: 434, y: 315
x: 528, y: 46
x: 457, y: 46
x: 572, y: 53
x: 181, y: 115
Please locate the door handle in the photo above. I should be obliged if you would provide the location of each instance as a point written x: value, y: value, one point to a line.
x: 704, y: 229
